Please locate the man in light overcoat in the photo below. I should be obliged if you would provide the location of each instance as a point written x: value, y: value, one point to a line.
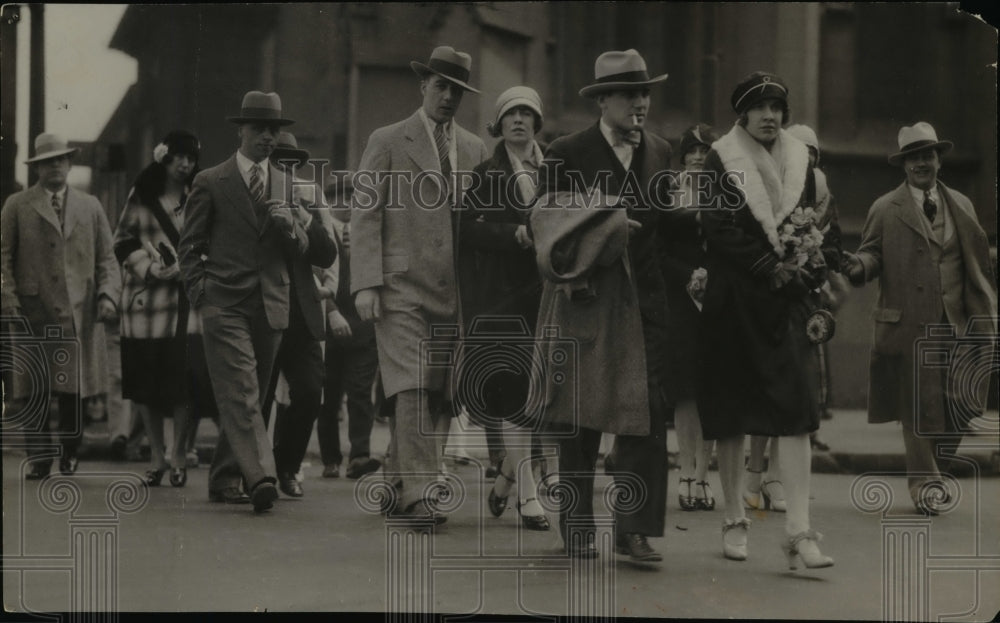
x: 937, y: 294
x: 59, y: 275
x: 403, y: 268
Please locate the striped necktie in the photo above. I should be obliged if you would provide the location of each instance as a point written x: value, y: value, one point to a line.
x: 930, y: 208
x: 58, y: 207
x: 256, y: 184
x: 441, y: 140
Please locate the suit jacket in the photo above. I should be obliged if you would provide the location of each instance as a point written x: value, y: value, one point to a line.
x: 56, y: 276
x: 229, y: 248
x: 401, y: 242
x: 895, y: 249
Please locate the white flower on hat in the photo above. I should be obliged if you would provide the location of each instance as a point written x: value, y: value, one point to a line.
x: 160, y: 152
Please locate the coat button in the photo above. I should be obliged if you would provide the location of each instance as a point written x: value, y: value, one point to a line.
x: 920, y: 251
x: 55, y: 278
x: 442, y: 282
x: 920, y: 288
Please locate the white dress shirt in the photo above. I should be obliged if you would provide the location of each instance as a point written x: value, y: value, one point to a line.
x: 622, y: 149
x: 244, y: 164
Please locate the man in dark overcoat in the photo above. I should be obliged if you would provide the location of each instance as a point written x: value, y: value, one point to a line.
x: 616, y: 160
x: 937, y: 296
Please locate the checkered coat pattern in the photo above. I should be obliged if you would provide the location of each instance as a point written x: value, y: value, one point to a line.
x: 149, y: 309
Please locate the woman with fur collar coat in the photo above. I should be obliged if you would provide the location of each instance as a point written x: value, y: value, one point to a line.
x: 764, y: 260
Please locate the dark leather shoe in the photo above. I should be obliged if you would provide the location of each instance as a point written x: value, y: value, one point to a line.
x: 331, y: 471
x: 118, y: 447
x: 361, y: 465
x: 636, y: 547
x: 263, y: 496
x: 38, y: 472
x: 229, y: 495
x: 290, y: 486
x: 68, y: 464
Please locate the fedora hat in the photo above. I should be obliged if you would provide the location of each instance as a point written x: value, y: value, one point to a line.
x: 916, y: 137
x: 619, y: 70
x: 260, y: 107
x: 287, y: 148
x: 448, y: 63
x: 49, y: 146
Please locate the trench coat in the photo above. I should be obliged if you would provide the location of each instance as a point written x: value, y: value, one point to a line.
x: 895, y: 249
x: 404, y: 242
x: 55, y: 278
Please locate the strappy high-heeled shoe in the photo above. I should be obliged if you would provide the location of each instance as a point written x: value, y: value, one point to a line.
x: 686, y: 500
x: 533, y: 522
x: 705, y: 500
x: 734, y: 538
x: 773, y: 495
x: 178, y: 477
x: 804, y: 546
x: 154, y: 476
x: 496, y: 503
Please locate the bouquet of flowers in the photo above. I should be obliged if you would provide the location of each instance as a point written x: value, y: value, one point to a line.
x: 802, y: 240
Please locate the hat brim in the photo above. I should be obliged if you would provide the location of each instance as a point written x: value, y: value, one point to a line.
x: 423, y: 71
x: 603, y: 87
x: 55, y: 154
x: 300, y: 155
x: 942, y: 146
x: 241, y: 120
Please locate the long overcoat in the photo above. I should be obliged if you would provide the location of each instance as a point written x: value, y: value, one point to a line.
x: 403, y: 241
x: 895, y: 249
x: 55, y: 277
x: 759, y: 373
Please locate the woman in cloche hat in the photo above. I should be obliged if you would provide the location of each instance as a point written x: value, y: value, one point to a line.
x: 764, y: 262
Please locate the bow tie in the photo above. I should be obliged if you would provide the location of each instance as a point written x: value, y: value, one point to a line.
x: 628, y: 138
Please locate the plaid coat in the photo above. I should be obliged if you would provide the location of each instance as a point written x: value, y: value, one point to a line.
x: 148, y: 310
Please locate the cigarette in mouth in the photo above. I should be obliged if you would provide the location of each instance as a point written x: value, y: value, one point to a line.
x: 635, y: 120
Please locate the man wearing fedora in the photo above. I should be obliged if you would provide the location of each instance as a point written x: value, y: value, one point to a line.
x: 936, y: 284
x: 239, y: 237
x: 618, y: 394
x: 300, y: 356
x: 403, y: 269
x: 61, y: 276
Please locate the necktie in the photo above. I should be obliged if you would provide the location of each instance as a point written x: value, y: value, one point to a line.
x: 930, y: 208
x: 57, y: 206
x: 441, y: 140
x: 256, y: 184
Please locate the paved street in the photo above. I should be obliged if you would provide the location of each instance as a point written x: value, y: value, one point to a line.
x: 323, y: 553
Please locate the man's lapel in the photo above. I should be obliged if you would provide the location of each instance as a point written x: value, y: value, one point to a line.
x: 604, y: 158
x: 906, y: 211
x: 40, y: 202
x: 72, y: 211
x: 236, y: 191
x: 418, y: 145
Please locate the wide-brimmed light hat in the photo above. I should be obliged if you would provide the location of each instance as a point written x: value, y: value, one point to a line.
x: 287, y: 148
x: 512, y: 98
x: 448, y: 63
x: 917, y: 137
x: 260, y: 107
x: 616, y: 70
x: 48, y: 146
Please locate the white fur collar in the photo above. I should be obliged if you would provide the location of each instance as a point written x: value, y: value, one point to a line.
x: 740, y: 152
